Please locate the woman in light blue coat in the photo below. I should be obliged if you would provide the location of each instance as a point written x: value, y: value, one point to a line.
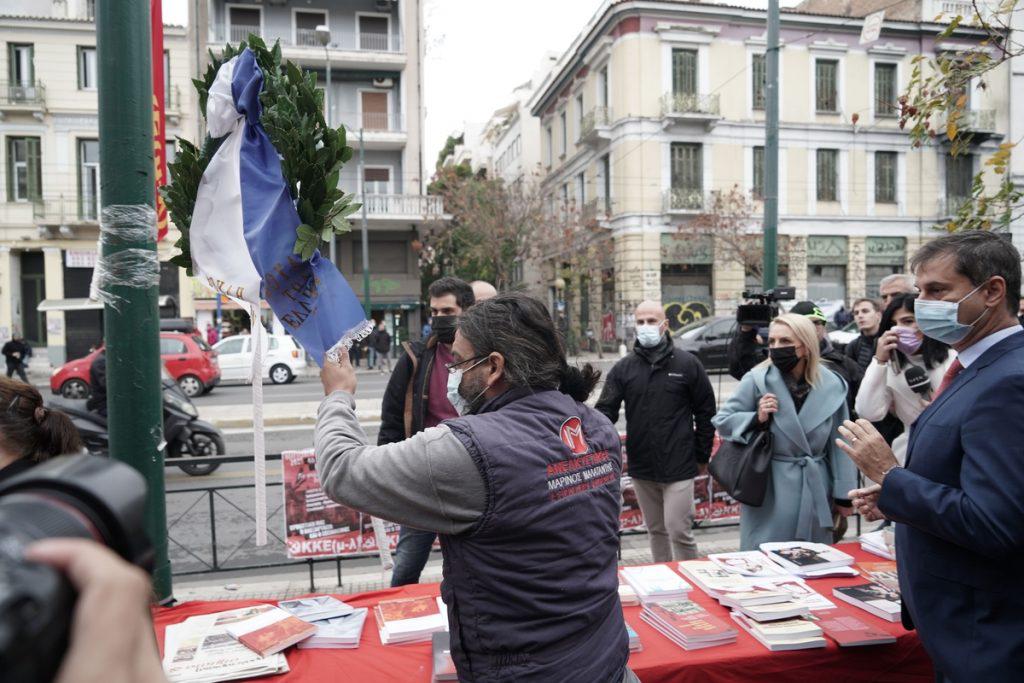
x: 803, y: 403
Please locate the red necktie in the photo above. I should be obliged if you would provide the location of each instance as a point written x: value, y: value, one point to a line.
x: 954, y: 369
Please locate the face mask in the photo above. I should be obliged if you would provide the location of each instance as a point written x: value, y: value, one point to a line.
x: 462, y: 405
x: 648, y: 336
x: 940, y: 319
x: 907, y: 340
x: 784, y: 358
x: 443, y: 327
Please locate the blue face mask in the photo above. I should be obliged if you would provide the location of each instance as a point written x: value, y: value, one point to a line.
x: 649, y: 336
x: 940, y: 319
x: 462, y: 405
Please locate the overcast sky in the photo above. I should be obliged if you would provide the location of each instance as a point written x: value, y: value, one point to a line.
x: 477, y: 51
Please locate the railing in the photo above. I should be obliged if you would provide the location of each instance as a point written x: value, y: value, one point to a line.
x: 683, y: 199
x: 948, y: 206
x: 66, y: 210
x: 371, y: 122
x: 359, y: 41
x: 963, y: 9
x: 982, y: 120
x: 675, y: 104
x: 17, y: 94
x: 596, y: 117
x: 402, y: 205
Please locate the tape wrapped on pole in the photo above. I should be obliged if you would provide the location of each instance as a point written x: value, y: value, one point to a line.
x: 132, y: 267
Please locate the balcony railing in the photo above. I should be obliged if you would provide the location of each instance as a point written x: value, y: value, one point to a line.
x: 597, y: 117
x: 63, y: 210
x: 677, y: 104
x: 371, y: 122
x: 980, y: 121
x: 683, y: 199
x: 948, y: 206
x: 359, y: 41
x: 17, y: 94
x: 384, y: 205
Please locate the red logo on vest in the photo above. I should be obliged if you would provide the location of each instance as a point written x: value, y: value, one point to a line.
x: 572, y: 436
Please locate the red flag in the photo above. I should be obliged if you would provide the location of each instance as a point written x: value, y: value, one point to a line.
x: 159, y: 135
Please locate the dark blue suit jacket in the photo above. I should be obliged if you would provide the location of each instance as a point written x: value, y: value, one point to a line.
x: 959, y: 508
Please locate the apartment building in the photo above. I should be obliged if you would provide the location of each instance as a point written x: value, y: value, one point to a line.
x: 372, y: 53
x: 50, y: 173
x: 657, y: 104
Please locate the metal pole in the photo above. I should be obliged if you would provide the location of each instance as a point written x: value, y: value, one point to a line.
x: 366, y: 237
x: 131, y: 334
x: 327, y: 56
x: 771, y: 150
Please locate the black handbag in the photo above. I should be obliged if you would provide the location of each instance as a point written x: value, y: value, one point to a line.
x: 744, y: 470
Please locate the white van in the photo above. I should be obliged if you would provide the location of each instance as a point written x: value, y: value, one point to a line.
x: 285, y: 359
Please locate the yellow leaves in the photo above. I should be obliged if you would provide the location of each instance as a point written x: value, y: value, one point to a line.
x: 951, y: 129
x: 961, y: 101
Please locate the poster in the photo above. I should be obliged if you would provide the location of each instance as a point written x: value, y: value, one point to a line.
x: 316, y: 526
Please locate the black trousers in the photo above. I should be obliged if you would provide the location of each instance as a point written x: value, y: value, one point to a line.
x: 17, y: 368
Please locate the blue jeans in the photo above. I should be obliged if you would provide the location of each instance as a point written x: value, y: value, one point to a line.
x: 411, y: 555
x: 372, y: 359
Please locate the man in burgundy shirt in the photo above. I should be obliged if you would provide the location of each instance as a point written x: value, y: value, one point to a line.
x: 417, y: 398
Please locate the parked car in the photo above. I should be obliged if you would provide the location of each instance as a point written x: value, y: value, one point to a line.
x: 708, y: 339
x: 285, y: 359
x: 187, y: 357
x: 840, y: 338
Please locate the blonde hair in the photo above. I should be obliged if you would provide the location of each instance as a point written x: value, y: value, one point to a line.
x: 803, y: 330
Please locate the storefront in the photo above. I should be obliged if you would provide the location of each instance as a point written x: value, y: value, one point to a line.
x: 827, y: 257
x: 686, y: 278
x: 884, y: 256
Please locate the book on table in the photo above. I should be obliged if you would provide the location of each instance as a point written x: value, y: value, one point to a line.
x: 270, y: 630
x: 798, y: 589
x: 849, y: 631
x: 627, y: 596
x: 444, y: 665
x: 775, y: 611
x: 753, y: 595
x: 884, y: 573
x: 200, y: 650
x: 874, y: 598
x: 634, y: 639
x: 747, y: 563
x: 316, y: 607
x: 687, y: 624
x: 656, y: 583
x: 788, y: 634
x: 874, y: 543
x: 807, y: 559
x: 342, y: 632
x: 712, y: 579
x: 410, y: 620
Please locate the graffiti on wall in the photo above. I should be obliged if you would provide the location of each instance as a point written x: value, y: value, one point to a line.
x: 682, y: 313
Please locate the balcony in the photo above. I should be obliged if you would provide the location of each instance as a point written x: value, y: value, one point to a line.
x: 594, y: 126
x: 354, y: 48
x: 15, y: 97
x: 980, y: 124
x: 401, y: 207
x: 682, y: 200
x: 597, y: 210
x: 683, y: 108
x: 62, y: 211
x: 381, y: 130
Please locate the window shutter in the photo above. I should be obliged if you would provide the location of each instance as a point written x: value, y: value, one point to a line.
x: 825, y: 87
x: 35, y: 176
x: 684, y: 72
x: 759, y: 77
x: 758, y: 188
x: 10, y: 169
x: 885, y: 89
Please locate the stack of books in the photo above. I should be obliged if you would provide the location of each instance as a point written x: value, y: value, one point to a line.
x: 410, y: 620
x: 316, y: 608
x: 751, y: 563
x: 444, y: 665
x: 849, y: 631
x: 656, y: 583
x: 687, y: 624
x: 712, y: 579
x: 341, y: 632
x: 627, y: 596
x: 874, y: 543
x: 269, y: 629
x: 788, y: 634
x: 809, y: 560
x: 872, y: 597
x: 634, y: 640
x: 884, y: 573
x: 798, y: 591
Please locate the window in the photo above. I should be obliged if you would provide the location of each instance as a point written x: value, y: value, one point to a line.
x: 386, y: 256
x: 959, y: 177
x: 581, y: 191
x: 758, y: 80
x: 167, y: 80
x: 565, y: 132
x: 305, y: 27
x: 170, y: 345
x: 551, y: 143
x: 885, y: 90
x: 687, y: 176
x: 828, y: 170
x: 602, y: 87
x: 758, y: 188
x: 375, y: 109
x: 826, y: 88
x: 230, y: 346
x: 885, y: 177
x: 88, y: 179
x: 376, y: 180
x: 171, y: 152
x: 604, y: 184
x: 24, y: 175
x: 20, y: 65
x: 86, y: 68
x: 242, y: 21
x: 684, y: 72
x: 373, y: 33
x: 579, y: 115
x: 90, y: 9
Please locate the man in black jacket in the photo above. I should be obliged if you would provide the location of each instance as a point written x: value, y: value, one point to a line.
x: 416, y: 398
x: 669, y: 406
x: 868, y: 316
x: 16, y: 353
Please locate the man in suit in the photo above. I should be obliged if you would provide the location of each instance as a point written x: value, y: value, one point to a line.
x: 958, y: 503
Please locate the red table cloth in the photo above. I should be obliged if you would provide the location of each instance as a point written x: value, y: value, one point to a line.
x: 660, y: 661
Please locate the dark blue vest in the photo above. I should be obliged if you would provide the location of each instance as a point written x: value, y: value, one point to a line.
x: 532, y: 590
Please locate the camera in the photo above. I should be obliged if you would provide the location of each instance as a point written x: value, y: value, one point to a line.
x: 761, y: 314
x: 80, y: 496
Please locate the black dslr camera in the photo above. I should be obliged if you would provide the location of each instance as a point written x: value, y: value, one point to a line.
x: 79, y: 496
x: 761, y: 314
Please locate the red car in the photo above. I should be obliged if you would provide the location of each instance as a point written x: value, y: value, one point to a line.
x: 188, y: 359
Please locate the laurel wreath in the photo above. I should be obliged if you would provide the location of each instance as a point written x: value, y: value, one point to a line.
x: 312, y: 153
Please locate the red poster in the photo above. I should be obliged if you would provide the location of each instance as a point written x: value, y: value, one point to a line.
x: 316, y: 526
x: 159, y: 130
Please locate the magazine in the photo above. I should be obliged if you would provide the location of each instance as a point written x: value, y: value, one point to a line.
x: 804, y: 558
x: 316, y: 608
x: 200, y: 650
x: 656, y: 582
x: 747, y: 563
x: 342, y: 632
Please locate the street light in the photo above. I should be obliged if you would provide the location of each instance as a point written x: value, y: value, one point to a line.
x: 323, y: 36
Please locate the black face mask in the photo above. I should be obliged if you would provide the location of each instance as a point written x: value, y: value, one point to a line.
x: 443, y: 327
x: 784, y: 358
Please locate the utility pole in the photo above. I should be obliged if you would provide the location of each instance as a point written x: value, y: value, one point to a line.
x: 771, y: 150
x: 128, y: 243
x: 366, y: 237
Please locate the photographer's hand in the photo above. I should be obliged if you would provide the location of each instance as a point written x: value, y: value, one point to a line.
x: 112, y: 638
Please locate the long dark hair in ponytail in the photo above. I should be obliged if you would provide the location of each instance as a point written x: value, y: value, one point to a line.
x: 31, y: 430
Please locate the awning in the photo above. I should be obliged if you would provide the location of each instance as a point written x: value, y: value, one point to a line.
x: 88, y: 304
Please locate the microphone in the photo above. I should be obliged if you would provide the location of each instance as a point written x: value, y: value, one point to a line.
x: 918, y: 380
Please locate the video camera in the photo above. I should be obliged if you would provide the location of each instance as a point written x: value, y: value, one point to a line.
x: 762, y: 313
x: 79, y: 496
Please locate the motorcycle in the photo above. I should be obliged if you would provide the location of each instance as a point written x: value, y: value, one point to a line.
x: 185, y: 434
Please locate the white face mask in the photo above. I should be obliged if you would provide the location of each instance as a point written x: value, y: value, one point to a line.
x: 649, y: 336
x: 462, y: 406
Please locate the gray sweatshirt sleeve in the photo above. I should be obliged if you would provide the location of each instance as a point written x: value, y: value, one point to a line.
x: 428, y: 481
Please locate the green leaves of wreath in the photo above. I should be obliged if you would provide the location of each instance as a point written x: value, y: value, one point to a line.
x: 312, y: 154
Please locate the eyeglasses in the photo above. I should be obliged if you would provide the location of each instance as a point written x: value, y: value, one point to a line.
x: 451, y: 367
